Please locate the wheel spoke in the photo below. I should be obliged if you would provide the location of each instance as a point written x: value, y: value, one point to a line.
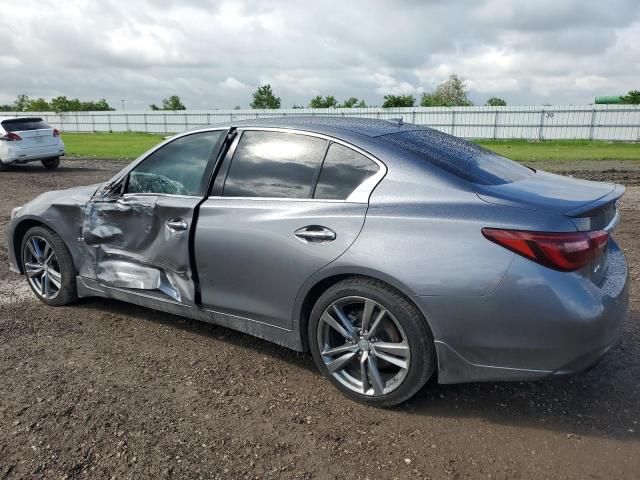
x: 44, y: 286
x: 347, y: 347
x: 376, y: 322
x: 344, y: 320
x: 340, y: 362
x: 363, y: 372
x: 396, y: 349
x: 33, y: 269
x: 376, y: 379
x: 393, y: 360
x: 55, y: 278
x: 47, y: 253
x: 367, y: 312
x: 332, y: 322
x: 33, y: 247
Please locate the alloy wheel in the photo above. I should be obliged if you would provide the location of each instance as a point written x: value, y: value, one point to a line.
x: 363, y: 346
x: 42, y: 267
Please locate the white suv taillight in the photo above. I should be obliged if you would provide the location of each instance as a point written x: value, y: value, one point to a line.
x: 11, y: 137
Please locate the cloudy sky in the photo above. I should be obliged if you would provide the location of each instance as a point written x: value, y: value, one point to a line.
x: 215, y: 53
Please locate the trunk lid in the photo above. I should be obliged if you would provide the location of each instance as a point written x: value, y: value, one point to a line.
x: 591, y: 205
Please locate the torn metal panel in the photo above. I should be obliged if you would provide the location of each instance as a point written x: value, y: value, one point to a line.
x: 132, y: 243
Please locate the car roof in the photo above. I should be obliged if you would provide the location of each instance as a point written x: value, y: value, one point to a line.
x: 368, y: 127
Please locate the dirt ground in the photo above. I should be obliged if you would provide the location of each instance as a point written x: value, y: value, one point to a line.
x: 103, y: 389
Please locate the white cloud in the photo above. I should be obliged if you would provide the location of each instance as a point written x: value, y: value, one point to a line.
x: 232, y: 83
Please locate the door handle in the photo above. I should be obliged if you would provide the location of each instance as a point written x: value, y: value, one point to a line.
x: 177, y: 224
x: 315, y: 234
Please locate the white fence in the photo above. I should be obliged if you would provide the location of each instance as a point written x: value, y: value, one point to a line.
x: 591, y: 122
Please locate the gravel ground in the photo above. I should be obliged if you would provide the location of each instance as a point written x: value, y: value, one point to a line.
x: 103, y: 389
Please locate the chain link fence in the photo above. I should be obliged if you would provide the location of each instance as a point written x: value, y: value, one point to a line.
x: 588, y: 122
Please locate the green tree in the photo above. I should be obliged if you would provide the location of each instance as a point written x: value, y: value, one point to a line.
x: 353, y: 102
x: 633, y: 97
x: 22, y: 103
x: 496, y: 102
x: 64, y: 104
x: 263, y: 97
x: 38, y: 105
x: 99, y: 106
x: 453, y: 92
x: 327, y: 102
x: 172, y: 103
x: 391, y: 101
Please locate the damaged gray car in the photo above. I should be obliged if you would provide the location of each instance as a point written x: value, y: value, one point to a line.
x: 390, y: 251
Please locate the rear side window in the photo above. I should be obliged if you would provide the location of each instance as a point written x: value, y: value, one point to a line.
x: 459, y: 157
x: 177, y: 168
x: 342, y: 171
x: 274, y: 164
x: 23, y: 124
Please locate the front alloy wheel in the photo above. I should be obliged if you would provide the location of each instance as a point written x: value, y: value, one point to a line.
x: 48, y: 266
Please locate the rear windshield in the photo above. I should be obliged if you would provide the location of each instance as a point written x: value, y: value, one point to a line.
x: 459, y: 157
x: 22, y: 124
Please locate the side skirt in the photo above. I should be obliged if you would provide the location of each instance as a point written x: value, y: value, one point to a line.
x: 280, y: 336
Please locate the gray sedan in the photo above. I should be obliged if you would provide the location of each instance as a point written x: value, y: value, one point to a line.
x: 390, y: 251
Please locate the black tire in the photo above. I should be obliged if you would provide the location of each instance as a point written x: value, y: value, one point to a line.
x: 3, y: 166
x: 422, y: 363
x: 51, y: 163
x: 67, y: 291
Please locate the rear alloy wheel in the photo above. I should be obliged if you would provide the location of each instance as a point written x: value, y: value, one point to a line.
x: 48, y: 267
x: 371, y: 342
x: 51, y: 163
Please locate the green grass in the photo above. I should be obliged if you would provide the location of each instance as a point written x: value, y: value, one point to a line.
x: 108, y: 145
x: 563, y: 150
x: 130, y: 145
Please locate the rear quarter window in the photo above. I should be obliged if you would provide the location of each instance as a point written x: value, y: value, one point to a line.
x: 342, y: 172
x: 24, y: 124
x: 460, y: 157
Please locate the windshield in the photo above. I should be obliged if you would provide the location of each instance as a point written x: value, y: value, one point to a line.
x: 460, y: 157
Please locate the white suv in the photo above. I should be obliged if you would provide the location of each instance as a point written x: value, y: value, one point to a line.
x: 27, y: 139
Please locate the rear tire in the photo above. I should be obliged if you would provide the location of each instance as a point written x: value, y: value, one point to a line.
x: 51, y: 163
x: 48, y: 267
x: 3, y: 166
x: 379, y: 339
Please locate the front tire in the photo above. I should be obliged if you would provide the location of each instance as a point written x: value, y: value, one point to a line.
x: 48, y: 267
x: 371, y: 342
x: 51, y: 163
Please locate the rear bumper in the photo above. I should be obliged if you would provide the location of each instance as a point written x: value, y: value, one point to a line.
x: 538, y: 323
x: 14, y: 154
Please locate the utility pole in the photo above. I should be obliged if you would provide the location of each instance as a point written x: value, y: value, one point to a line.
x: 122, y: 104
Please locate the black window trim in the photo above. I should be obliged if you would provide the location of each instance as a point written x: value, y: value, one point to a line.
x: 361, y: 193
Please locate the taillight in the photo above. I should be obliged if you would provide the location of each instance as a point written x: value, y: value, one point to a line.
x: 11, y: 137
x: 56, y: 132
x: 561, y: 251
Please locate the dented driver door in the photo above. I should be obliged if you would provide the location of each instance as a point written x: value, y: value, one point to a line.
x: 139, y: 237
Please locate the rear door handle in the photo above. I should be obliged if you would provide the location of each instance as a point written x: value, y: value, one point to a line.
x: 315, y: 234
x: 177, y: 224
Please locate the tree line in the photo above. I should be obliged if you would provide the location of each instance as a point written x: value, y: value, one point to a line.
x: 453, y: 92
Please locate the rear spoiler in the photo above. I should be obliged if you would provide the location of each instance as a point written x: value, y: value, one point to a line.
x: 586, y: 210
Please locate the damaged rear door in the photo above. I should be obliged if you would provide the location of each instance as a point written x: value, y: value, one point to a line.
x: 139, y: 235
